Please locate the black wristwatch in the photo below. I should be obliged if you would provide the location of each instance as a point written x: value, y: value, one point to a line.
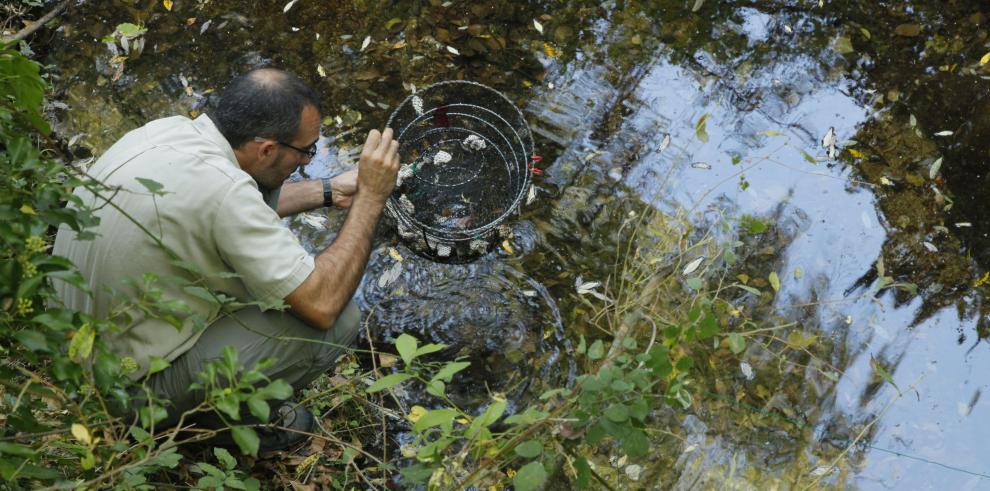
x: 327, y: 193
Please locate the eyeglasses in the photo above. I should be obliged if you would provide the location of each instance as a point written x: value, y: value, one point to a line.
x: 309, y: 151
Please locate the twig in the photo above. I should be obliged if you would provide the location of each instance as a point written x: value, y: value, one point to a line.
x: 29, y: 30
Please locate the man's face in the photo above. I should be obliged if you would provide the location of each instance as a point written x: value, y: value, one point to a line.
x: 285, y: 159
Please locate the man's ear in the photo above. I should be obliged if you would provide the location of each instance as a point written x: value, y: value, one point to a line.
x: 266, y: 149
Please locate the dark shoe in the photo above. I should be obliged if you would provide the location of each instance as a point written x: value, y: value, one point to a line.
x: 289, y: 425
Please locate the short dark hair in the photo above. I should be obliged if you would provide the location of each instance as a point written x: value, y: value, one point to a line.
x: 264, y: 102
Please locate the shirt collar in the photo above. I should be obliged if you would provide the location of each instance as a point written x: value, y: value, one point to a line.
x: 204, y: 124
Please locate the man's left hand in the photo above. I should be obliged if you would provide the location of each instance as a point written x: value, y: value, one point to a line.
x: 344, y: 186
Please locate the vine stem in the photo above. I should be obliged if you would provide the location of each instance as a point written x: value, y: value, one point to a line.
x: 34, y: 26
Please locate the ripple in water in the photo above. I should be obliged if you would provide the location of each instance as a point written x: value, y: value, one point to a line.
x: 499, y: 319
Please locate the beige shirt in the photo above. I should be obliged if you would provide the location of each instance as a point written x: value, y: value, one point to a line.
x: 212, y: 215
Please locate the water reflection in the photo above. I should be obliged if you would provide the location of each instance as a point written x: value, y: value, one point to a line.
x: 603, y: 86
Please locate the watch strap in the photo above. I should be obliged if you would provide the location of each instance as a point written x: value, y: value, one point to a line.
x: 327, y: 192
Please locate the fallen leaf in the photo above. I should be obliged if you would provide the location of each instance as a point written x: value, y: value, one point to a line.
x: 365, y: 43
x: 697, y: 5
x: 167, y: 4
x: 664, y: 143
x: 931, y: 247
x: 985, y: 59
x: 538, y: 26
x: 701, y: 165
x: 908, y: 30
x: 693, y: 266
x: 944, y: 133
x: 933, y: 171
x: 289, y: 6
x: 774, y: 281
x: 395, y: 254
x: 453, y: 50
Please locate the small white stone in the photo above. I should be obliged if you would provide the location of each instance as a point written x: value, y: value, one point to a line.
x: 406, y: 205
x: 441, y: 158
x: 479, y: 246
x: 634, y: 472
x: 473, y: 143
x: 747, y: 370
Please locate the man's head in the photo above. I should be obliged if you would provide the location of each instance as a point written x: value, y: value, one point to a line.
x: 271, y: 119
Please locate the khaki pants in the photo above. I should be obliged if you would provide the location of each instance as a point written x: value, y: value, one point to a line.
x: 301, y: 352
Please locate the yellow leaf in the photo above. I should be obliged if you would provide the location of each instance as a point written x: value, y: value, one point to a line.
x: 550, y: 50
x: 415, y: 413
x: 395, y: 254
x: 985, y: 59
x: 774, y: 281
x: 507, y: 246
x: 855, y: 153
x: 983, y: 279
x: 306, y: 464
x: 81, y: 433
x: 167, y: 4
x: 27, y: 210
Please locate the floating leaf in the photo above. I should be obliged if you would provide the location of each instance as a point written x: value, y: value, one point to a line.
x: 843, y: 45
x: 289, y: 6
x: 700, y: 128
x: 167, y: 4
x: 664, y: 143
x: 882, y: 372
x: 774, y: 281
x: 855, y: 153
x: 800, y: 340
x: 693, y: 266
x: 933, y: 171
x: 985, y: 59
x: 365, y: 43
x: 394, y: 254
x: 944, y: 133
x: 809, y: 158
x: 453, y: 50
x: 701, y: 165
x: 798, y: 273
x: 749, y: 289
x: 538, y: 26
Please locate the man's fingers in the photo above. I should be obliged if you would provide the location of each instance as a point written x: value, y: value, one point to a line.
x: 372, y: 142
x: 393, y: 154
x: 386, y: 141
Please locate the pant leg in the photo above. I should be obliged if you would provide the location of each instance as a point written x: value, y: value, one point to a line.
x: 301, y: 352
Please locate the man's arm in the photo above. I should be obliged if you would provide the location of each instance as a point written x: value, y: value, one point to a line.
x: 299, y: 196
x: 325, y: 292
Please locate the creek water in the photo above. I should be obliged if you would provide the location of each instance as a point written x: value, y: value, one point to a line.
x: 603, y: 86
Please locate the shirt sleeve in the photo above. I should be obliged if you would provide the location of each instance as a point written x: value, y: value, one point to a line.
x: 254, y: 243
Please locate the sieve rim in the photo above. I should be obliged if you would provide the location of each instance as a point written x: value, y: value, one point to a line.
x: 520, y: 170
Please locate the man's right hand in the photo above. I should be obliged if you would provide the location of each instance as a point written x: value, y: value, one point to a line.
x: 378, y: 166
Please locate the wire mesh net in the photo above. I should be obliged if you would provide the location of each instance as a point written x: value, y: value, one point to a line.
x: 465, y: 152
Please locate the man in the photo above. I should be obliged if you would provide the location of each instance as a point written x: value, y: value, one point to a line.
x: 219, y: 207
